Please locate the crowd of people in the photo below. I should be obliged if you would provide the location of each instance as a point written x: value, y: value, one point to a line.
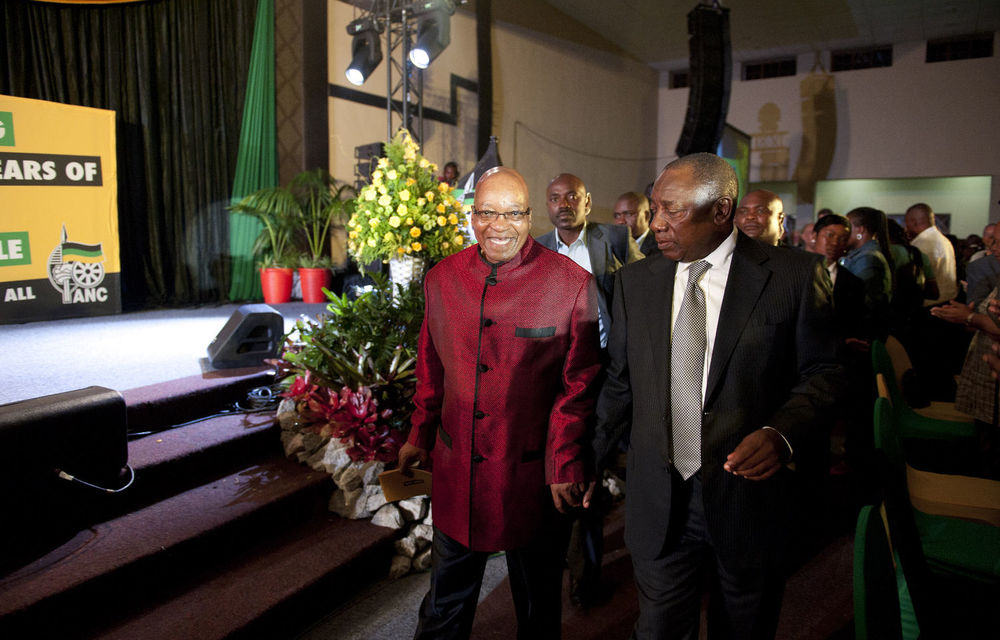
x: 698, y: 338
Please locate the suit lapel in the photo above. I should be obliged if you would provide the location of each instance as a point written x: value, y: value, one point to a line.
x: 597, y: 248
x: 746, y: 282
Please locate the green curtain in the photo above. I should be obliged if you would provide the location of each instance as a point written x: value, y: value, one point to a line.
x: 175, y: 72
x: 257, y: 163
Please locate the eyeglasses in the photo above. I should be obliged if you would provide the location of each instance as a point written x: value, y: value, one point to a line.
x: 511, y: 216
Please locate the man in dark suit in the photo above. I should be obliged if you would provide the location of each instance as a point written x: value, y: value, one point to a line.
x: 632, y: 210
x: 601, y: 249
x: 719, y: 383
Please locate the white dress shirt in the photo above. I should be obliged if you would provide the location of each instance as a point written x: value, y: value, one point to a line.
x: 938, y: 249
x: 578, y: 253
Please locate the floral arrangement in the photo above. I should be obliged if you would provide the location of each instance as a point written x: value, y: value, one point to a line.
x: 352, y: 416
x: 405, y: 210
x: 352, y: 371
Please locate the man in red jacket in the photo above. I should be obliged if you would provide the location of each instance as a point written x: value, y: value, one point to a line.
x: 507, y: 359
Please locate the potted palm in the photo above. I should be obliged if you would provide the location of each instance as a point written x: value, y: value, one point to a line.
x: 273, y: 246
x: 317, y: 204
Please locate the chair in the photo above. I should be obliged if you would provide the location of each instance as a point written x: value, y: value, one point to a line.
x: 912, y: 423
x: 950, y: 561
x: 901, y: 364
x: 877, y: 613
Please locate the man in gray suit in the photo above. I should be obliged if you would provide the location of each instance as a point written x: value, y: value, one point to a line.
x: 601, y: 249
x: 722, y: 365
x: 632, y: 209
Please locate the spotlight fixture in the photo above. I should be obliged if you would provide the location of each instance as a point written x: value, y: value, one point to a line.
x: 433, y: 31
x: 366, y: 52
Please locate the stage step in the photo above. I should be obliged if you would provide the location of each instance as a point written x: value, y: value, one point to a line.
x: 242, y: 552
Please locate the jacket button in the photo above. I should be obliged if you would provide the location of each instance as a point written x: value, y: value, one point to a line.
x: 478, y: 458
x: 483, y: 368
x: 479, y: 414
x: 487, y: 322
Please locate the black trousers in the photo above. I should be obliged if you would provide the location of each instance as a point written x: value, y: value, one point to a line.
x: 742, y: 603
x: 535, y: 574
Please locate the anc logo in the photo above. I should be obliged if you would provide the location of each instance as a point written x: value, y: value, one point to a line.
x: 76, y: 270
x: 6, y: 129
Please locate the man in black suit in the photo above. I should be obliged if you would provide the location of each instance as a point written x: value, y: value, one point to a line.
x: 714, y: 411
x: 601, y: 249
x: 632, y: 210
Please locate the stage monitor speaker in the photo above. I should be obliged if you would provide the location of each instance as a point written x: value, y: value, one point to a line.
x: 81, y: 433
x: 710, y: 77
x: 251, y: 334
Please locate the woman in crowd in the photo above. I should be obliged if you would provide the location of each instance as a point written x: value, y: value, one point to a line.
x: 870, y: 259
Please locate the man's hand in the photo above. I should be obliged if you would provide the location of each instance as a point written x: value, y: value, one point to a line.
x: 952, y: 311
x: 408, y: 455
x: 567, y: 495
x: 588, y: 495
x: 758, y: 457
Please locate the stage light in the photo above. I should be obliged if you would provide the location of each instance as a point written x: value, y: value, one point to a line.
x: 366, y: 52
x: 433, y: 31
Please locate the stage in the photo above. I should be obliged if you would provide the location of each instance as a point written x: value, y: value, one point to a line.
x: 121, y: 351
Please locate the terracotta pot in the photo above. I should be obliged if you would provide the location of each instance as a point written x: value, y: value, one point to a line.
x: 313, y: 281
x: 276, y: 284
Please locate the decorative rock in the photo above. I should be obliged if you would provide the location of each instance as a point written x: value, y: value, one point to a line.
x: 423, y: 532
x: 400, y: 567
x: 375, y: 497
x: 369, y: 472
x: 388, y: 516
x: 315, y: 461
x: 287, y: 417
x: 336, y: 459
x: 349, y: 504
x: 413, y: 508
x: 423, y: 560
x: 407, y: 546
x: 311, y: 443
x: 292, y: 443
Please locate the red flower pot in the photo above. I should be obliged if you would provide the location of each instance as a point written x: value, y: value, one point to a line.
x: 276, y: 284
x: 313, y: 281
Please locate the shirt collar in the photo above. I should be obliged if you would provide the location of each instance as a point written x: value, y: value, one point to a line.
x: 719, y: 256
x: 581, y: 239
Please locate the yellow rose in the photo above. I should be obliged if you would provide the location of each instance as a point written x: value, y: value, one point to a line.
x: 424, y: 163
x: 391, y: 174
x: 409, y: 250
x: 394, y: 222
x: 421, y: 202
x: 415, y: 232
x: 409, y: 221
x: 404, y: 195
x: 371, y: 242
x: 445, y: 245
x: 385, y: 200
x: 459, y: 240
x: 430, y: 196
x: 383, y: 163
x: 442, y: 221
x: 453, y: 219
x: 441, y: 208
x: 352, y: 235
x: 401, y: 209
x: 377, y: 174
x: 370, y: 194
x: 373, y: 222
x: 417, y: 246
x: 401, y: 250
x: 444, y: 187
x: 388, y: 237
x: 382, y: 189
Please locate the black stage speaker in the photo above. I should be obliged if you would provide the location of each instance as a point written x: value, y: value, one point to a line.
x: 711, y: 73
x: 251, y: 334
x: 82, y: 434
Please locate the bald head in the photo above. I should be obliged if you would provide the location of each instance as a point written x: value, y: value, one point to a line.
x: 918, y: 218
x: 632, y: 209
x: 501, y: 191
x: 761, y: 215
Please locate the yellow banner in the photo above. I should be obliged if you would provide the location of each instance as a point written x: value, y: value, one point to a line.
x: 59, y: 252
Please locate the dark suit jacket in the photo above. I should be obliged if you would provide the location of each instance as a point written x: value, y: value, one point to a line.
x: 648, y: 246
x: 849, y: 311
x: 610, y: 247
x: 983, y: 275
x: 774, y: 363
